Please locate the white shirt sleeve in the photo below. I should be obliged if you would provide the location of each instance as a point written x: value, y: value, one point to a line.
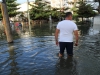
x: 58, y: 26
x: 75, y: 27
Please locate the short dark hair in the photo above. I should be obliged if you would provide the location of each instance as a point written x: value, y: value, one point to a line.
x: 68, y: 14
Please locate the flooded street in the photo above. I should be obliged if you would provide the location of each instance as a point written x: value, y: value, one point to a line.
x: 38, y: 55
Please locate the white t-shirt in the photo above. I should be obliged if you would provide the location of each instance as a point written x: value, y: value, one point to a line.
x: 66, y: 28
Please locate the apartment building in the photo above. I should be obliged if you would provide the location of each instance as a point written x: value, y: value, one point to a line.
x: 58, y: 3
x: 63, y: 3
x: 24, y: 7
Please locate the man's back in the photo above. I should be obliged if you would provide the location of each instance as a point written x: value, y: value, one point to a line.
x: 66, y: 28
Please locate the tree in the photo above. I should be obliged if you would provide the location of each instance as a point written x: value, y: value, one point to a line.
x: 75, y: 15
x: 39, y: 10
x: 85, y: 10
x: 12, y: 7
x: 0, y: 13
x: 42, y: 10
x: 55, y: 13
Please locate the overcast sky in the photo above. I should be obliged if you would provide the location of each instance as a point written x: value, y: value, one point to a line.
x: 22, y: 1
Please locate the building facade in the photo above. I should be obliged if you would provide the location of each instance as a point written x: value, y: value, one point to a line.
x: 24, y: 7
x: 58, y: 3
x: 63, y: 3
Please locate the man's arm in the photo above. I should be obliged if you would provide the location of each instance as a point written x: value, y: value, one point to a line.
x: 56, y: 36
x: 76, y: 37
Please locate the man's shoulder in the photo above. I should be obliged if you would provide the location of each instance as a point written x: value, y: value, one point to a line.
x: 70, y: 21
x: 60, y: 22
x: 66, y: 21
x: 63, y: 21
x: 73, y: 22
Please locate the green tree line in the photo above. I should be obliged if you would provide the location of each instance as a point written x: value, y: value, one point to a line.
x: 12, y: 8
x: 41, y: 10
x: 83, y: 10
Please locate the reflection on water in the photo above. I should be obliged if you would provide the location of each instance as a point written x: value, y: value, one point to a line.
x: 12, y: 59
x: 49, y: 30
x: 66, y: 67
x: 45, y: 30
x: 84, y: 30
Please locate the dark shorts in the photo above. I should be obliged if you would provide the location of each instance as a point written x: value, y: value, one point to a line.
x: 68, y: 46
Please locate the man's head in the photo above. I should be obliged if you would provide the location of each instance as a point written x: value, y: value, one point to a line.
x: 68, y: 16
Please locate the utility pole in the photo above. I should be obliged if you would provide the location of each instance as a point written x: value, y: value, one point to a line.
x: 28, y: 17
x: 60, y: 9
x: 99, y: 6
x: 6, y: 22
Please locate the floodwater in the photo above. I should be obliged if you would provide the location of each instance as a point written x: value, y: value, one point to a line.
x: 38, y: 55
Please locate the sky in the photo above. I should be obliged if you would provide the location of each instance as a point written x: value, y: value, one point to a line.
x: 22, y: 1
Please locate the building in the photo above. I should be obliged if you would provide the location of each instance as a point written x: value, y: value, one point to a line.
x: 70, y: 3
x: 58, y: 3
x: 62, y: 3
x: 53, y: 3
x: 24, y: 7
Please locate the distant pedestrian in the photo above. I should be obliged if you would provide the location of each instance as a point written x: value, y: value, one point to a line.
x: 12, y: 26
x: 16, y: 26
x: 64, y: 35
x: 20, y: 26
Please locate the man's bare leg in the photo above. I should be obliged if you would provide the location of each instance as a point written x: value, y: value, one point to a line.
x: 69, y: 56
x: 61, y: 55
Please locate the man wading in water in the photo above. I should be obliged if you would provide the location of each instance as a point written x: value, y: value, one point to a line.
x: 65, y: 30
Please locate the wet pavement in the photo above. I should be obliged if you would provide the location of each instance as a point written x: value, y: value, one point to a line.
x: 37, y: 55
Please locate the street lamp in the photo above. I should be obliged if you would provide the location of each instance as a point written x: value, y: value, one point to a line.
x: 28, y: 15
